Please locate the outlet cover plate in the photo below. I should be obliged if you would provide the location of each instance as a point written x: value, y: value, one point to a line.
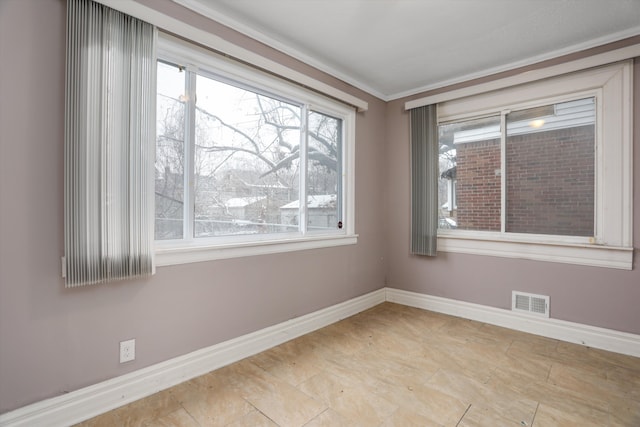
x: 127, y: 350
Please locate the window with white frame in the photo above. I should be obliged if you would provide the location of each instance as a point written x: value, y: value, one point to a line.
x: 246, y: 163
x: 540, y: 170
x: 548, y: 168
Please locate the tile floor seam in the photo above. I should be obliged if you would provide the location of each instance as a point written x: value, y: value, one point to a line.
x: 533, y: 420
x: 190, y: 414
x: 463, y: 415
x: 263, y: 414
x: 307, y: 423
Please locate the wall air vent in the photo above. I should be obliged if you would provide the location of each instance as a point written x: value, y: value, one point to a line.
x: 530, y: 303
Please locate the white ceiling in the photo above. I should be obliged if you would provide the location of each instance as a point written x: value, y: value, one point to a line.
x: 394, y: 48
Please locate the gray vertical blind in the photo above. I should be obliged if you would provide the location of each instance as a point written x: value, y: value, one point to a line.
x: 424, y: 180
x: 109, y: 144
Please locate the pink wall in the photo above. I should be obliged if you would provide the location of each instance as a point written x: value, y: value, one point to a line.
x: 54, y: 340
x: 594, y: 296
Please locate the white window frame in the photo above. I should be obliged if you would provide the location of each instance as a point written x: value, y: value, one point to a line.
x: 612, y: 243
x: 190, y: 249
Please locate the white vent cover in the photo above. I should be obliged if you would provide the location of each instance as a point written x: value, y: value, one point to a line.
x: 530, y: 303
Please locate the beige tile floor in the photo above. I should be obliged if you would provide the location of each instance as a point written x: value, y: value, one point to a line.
x: 399, y: 366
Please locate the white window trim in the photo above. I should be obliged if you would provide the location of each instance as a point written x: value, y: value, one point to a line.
x: 172, y: 252
x: 195, y: 251
x: 567, y: 253
x: 612, y: 244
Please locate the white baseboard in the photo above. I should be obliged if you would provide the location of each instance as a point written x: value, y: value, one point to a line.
x: 591, y: 336
x: 96, y: 399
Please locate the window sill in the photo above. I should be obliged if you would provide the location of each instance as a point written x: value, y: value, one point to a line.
x: 184, y: 253
x: 568, y: 253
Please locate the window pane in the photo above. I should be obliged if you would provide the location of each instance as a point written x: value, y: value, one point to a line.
x: 469, y: 188
x: 323, y: 173
x: 246, y: 160
x: 169, y: 173
x: 550, y: 163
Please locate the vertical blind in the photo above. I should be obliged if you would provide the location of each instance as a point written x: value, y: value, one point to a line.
x: 109, y: 145
x: 424, y: 180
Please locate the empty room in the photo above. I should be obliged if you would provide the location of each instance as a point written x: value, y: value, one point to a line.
x: 319, y: 213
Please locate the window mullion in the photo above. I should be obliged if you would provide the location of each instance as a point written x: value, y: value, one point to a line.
x: 598, y: 184
x: 340, y: 172
x: 304, y: 142
x: 503, y: 171
x: 189, y: 156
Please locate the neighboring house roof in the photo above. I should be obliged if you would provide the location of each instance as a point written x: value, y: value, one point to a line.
x: 241, y: 202
x: 319, y: 201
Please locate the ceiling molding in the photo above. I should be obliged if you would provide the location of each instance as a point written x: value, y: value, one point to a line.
x: 519, y: 64
x: 590, y: 62
x: 202, y: 8
x: 218, y: 44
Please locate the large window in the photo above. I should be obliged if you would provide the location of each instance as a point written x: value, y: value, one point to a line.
x: 524, y: 171
x: 540, y: 170
x: 244, y: 160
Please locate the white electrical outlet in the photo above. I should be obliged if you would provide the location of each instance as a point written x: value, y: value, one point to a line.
x: 127, y: 350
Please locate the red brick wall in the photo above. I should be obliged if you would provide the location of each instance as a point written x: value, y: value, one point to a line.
x: 550, y: 183
x: 478, y: 187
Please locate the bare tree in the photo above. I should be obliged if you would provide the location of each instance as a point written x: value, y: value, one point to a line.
x: 253, y: 154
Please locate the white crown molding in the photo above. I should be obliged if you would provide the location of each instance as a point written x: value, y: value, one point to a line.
x: 577, y: 333
x: 88, y: 402
x: 605, y: 58
x: 207, y: 11
x: 204, y: 9
x: 519, y: 64
x: 210, y: 40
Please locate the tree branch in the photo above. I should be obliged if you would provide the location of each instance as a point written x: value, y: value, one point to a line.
x: 228, y: 126
x: 230, y: 148
x: 169, y: 198
x: 323, y: 141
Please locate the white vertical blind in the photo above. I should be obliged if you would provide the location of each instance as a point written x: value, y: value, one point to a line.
x: 109, y: 144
